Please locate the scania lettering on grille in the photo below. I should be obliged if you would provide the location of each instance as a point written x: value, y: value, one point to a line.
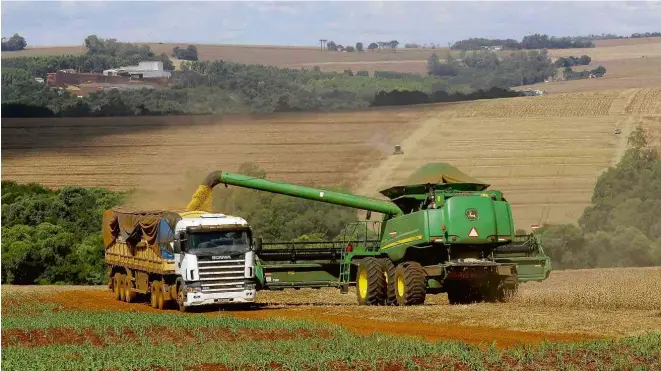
x: 220, y: 257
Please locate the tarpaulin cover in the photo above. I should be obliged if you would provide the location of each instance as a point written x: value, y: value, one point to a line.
x: 439, y: 172
x: 155, y: 227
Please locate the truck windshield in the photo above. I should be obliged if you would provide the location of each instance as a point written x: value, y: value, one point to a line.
x: 219, y: 242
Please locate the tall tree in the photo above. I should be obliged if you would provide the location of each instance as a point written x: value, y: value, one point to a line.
x: 359, y: 46
x: 393, y: 44
x: 16, y: 42
x: 373, y: 46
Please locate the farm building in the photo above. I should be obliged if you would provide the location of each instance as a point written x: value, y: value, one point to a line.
x: 144, y: 69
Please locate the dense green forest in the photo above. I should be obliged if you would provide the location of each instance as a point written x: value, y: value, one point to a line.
x: 622, y: 227
x: 54, y: 236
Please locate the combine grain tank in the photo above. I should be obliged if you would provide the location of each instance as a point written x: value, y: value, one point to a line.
x: 192, y: 258
x: 442, y: 231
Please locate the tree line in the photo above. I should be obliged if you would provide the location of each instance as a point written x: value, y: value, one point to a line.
x: 571, y: 61
x: 379, y: 45
x: 401, y: 98
x: 189, y: 53
x: 483, y: 69
x: 536, y: 41
x: 622, y: 226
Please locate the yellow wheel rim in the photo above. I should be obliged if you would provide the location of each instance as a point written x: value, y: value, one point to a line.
x: 362, y: 284
x: 400, y: 286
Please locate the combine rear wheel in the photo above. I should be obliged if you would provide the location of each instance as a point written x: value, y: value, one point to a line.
x: 370, y: 282
x: 410, y: 284
x: 503, y: 290
x: 389, y: 273
x: 463, y: 292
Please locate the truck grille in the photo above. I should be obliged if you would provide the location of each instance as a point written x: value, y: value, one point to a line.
x: 222, y: 275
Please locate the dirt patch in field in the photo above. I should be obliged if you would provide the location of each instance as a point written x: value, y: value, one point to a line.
x: 155, y: 335
x: 429, y: 331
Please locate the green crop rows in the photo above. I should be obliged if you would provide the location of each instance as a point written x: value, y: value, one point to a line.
x: 48, y: 337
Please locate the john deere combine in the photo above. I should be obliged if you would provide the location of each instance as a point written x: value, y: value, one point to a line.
x: 442, y: 231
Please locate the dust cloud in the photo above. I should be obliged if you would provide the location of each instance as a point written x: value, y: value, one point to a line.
x: 177, y: 193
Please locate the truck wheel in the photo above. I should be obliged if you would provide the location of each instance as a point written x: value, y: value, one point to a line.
x: 122, y: 292
x: 160, y: 299
x: 129, y: 295
x: 410, y: 284
x: 154, y: 294
x: 181, y: 298
x: 370, y: 282
x: 389, y: 273
x: 116, y: 286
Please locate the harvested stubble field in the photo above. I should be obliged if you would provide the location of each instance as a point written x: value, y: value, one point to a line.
x: 596, y: 319
x: 544, y: 152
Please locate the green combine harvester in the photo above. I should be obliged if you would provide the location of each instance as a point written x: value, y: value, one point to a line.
x: 442, y: 231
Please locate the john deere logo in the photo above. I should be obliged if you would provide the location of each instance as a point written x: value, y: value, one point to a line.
x: 471, y: 214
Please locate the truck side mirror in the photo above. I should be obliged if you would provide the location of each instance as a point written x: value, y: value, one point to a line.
x: 258, y: 244
x: 369, y: 215
x: 177, y: 246
x: 180, y: 242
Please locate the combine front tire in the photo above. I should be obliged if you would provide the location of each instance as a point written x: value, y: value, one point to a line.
x: 410, y: 284
x: 370, y: 282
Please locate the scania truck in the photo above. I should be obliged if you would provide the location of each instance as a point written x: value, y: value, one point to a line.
x: 191, y: 258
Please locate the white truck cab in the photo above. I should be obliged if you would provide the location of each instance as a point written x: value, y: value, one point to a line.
x: 214, y: 259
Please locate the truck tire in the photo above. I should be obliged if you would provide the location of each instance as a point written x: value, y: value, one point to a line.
x: 389, y: 273
x: 181, y: 298
x: 122, y: 292
x: 410, y: 284
x: 129, y: 294
x: 153, y: 297
x: 116, y: 286
x: 160, y: 296
x: 370, y: 282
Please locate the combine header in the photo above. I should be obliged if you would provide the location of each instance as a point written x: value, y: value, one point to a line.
x: 442, y: 231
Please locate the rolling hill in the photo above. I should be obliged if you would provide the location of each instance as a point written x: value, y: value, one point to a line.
x: 631, y: 63
x: 544, y: 152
